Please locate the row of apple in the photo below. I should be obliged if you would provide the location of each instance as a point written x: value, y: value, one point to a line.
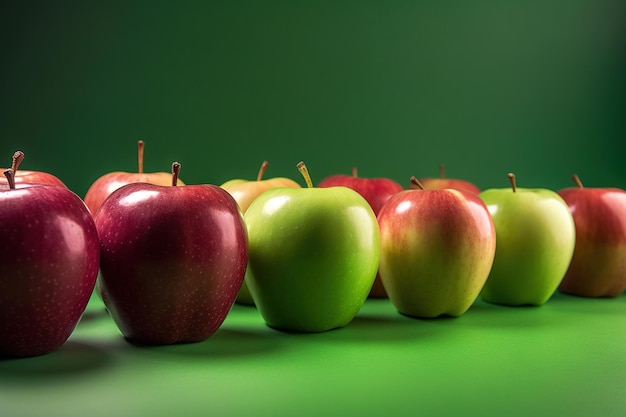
x: 172, y: 258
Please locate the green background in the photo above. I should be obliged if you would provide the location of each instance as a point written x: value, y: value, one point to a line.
x: 393, y: 87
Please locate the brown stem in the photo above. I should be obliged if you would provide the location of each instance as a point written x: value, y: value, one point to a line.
x: 262, y: 169
x: 355, y: 172
x: 305, y: 173
x: 513, y: 183
x: 175, y: 172
x: 577, y: 181
x: 442, y: 171
x: 18, y: 157
x: 416, y: 183
x: 10, y: 174
x: 140, y: 146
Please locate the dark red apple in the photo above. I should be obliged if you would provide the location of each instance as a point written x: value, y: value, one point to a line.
x: 376, y: 191
x: 172, y: 260
x: 442, y: 182
x: 106, y: 184
x: 49, y: 257
x: 598, y: 266
x: 30, y: 177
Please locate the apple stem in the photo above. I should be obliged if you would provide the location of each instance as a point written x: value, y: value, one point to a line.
x: 262, y: 169
x: 417, y: 184
x: 512, y: 179
x: 305, y: 173
x: 175, y: 172
x: 140, y: 146
x: 355, y: 172
x: 10, y: 174
x: 442, y: 171
x: 18, y: 157
x: 577, y: 181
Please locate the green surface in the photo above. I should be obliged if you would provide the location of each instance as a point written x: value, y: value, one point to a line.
x: 566, y: 358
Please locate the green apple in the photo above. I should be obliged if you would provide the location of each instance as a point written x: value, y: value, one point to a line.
x: 244, y: 192
x: 313, y: 255
x: 437, y: 247
x: 535, y: 239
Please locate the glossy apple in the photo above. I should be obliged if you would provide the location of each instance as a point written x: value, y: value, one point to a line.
x: 437, y: 248
x: 376, y: 192
x: 107, y: 183
x: 432, y: 183
x: 49, y: 256
x: 172, y: 260
x: 244, y: 192
x: 598, y: 267
x: 313, y: 256
x: 535, y: 239
x: 30, y: 177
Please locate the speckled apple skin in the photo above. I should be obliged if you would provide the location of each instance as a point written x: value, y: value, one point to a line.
x: 376, y: 191
x: 102, y: 187
x: 437, y: 248
x: 598, y: 267
x: 172, y: 260
x: 49, y: 257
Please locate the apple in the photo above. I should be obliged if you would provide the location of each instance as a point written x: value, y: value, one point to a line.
x: 376, y: 192
x: 49, y: 256
x: 244, y: 192
x: 30, y: 177
x: 172, y: 259
x: 431, y: 183
x: 437, y: 248
x: 598, y: 267
x: 535, y: 237
x: 107, y: 183
x: 313, y: 255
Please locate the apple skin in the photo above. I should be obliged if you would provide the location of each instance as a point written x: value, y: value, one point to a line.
x: 172, y: 260
x: 313, y: 256
x: 376, y: 192
x: 102, y: 187
x: 49, y: 255
x: 34, y: 177
x: 437, y: 248
x: 244, y: 192
x: 598, y: 267
x: 535, y: 237
x: 451, y: 183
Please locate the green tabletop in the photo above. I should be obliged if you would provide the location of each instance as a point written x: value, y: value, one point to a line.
x: 562, y: 359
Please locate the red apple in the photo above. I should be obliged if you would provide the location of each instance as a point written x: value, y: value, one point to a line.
x: 106, y: 184
x: 598, y: 266
x: 437, y: 248
x: 30, y: 177
x: 442, y: 182
x: 172, y: 259
x: 376, y: 191
x: 49, y: 256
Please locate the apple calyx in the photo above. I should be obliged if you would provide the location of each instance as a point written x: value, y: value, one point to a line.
x: 18, y: 157
x: 512, y: 179
x: 140, y: 146
x: 577, y: 181
x: 175, y: 173
x: 416, y: 184
x: 10, y: 174
x: 262, y: 169
x: 305, y: 173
